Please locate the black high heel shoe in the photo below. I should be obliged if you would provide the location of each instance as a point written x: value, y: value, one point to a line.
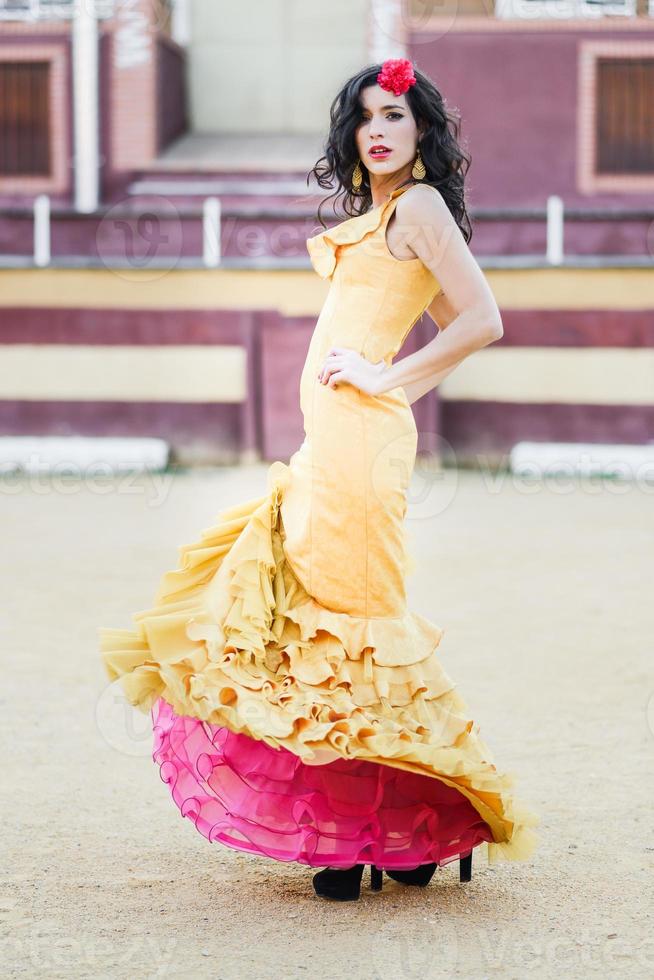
x: 423, y: 874
x: 344, y: 885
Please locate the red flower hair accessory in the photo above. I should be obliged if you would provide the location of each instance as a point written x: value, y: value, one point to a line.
x: 396, y: 75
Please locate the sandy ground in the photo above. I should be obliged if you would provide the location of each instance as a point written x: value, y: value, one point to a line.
x: 545, y: 595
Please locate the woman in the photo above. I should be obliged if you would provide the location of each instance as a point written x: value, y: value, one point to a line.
x: 299, y: 708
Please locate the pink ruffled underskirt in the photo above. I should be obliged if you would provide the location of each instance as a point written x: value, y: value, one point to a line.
x: 252, y: 797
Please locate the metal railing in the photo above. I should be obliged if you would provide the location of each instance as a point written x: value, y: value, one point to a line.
x: 569, y: 9
x: 554, y: 216
x: 211, y: 232
x: 51, y: 9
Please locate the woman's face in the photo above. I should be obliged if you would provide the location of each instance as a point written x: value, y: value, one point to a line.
x: 386, y: 121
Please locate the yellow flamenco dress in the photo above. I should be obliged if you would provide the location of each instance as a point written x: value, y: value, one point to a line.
x: 299, y: 708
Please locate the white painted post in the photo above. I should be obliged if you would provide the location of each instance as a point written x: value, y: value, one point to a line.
x: 42, y: 230
x: 554, y: 229
x: 387, y: 30
x: 85, y: 106
x: 180, y: 22
x: 211, y: 231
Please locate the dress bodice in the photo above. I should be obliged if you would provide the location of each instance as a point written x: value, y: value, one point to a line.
x: 374, y: 298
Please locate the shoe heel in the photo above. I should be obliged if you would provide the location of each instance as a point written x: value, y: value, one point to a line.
x: 465, y: 867
x: 376, y: 877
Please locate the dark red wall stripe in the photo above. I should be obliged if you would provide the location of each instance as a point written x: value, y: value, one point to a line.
x: 179, y: 423
x: 492, y: 426
x: 522, y: 328
x: 578, y: 328
x: 124, y: 327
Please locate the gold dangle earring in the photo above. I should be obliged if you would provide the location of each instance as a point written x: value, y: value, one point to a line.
x: 357, y: 177
x: 419, y: 171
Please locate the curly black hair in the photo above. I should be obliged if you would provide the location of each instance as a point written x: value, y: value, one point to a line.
x: 445, y: 161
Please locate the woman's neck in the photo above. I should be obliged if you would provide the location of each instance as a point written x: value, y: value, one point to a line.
x: 383, y: 196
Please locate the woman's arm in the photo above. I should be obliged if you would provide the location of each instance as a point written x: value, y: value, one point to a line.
x: 416, y: 389
x: 472, y: 317
x: 441, y: 311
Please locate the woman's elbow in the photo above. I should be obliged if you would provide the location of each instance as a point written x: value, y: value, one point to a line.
x: 492, y: 329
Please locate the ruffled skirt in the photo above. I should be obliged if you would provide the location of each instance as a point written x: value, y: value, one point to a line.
x: 287, y: 729
x: 247, y: 795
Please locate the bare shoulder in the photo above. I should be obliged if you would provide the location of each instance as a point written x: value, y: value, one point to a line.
x: 423, y: 204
